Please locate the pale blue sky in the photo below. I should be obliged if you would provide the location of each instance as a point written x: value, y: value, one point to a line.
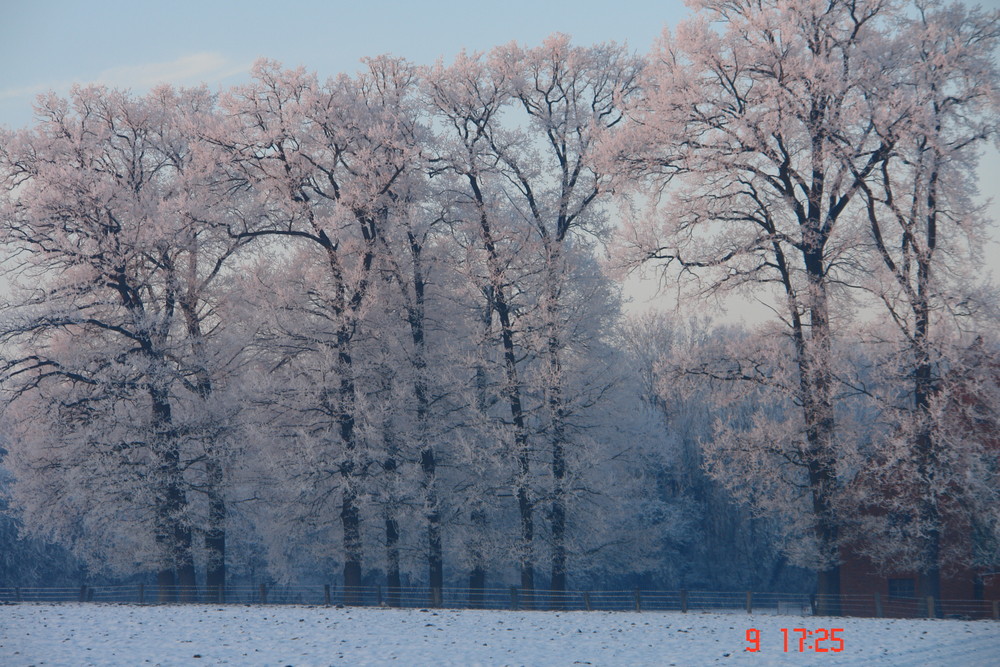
x: 49, y: 44
x: 128, y: 43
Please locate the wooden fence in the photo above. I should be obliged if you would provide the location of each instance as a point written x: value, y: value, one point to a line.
x: 874, y: 605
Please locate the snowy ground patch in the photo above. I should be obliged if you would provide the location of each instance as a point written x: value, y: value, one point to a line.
x: 105, y: 634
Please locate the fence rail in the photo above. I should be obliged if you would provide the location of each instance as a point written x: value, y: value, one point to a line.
x: 512, y: 597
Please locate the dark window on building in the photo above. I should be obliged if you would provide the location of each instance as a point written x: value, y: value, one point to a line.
x: 902, y: 588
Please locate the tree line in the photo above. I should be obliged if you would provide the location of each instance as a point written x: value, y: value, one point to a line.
x: 374, y: 323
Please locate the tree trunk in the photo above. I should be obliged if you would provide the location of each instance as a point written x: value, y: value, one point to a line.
x: 477, y: 583
x: 215, y: 538
x: 477, y: 517
x: 350, y: 516
x: 828, y: 592
x: 527, y: 536
x: 814, y: 358
x: 925, y: 386
x: 166, y: 584
x: 392, y: 561
x: 930, y: 577
x: 393, y: 579
x: 435, y: 559
x: 512, y: 391
x: 351, y: 522
x: 522, y: 483
x: 558, y: 501
x: 929, y: 516
x: 185, y: 564
x: 428, y: 461
x: 823, y: 482
x: 215, y: 535
x: 435, y: 554
x: 527, y: 584
x: 828, y: 578
x: 477, y: 577
x: 558, y: 528
x: 173, y: 535
x: 557, y: 418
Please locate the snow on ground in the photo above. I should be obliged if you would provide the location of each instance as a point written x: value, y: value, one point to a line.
x: 107, y: 634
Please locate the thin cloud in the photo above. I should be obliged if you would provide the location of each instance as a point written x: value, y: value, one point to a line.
x: 208, y: 67
x: 198, y: 68
x: 28, y: 91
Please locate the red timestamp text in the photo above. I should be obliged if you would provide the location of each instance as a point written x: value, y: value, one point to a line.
x: 820, y: 640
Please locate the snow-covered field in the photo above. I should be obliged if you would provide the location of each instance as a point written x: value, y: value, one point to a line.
x: 104, y: 634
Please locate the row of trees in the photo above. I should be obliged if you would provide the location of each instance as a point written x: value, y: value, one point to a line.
x: 363, y: 321
x: 829, y: 148
x: 365, y: 308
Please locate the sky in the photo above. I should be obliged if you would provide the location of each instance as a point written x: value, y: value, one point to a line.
x: 52, y: 44
x: 135, y: 44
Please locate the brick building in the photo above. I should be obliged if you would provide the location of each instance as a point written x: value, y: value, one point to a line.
x: 965, y: 590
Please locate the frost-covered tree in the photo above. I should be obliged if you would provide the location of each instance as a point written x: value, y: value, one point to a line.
x: 569, y: 95
x: 699, y: 548
x: 330, y: 166
x: 753, y: 128
x: 937, y: 102
x: 468, y: 98
x: 107, y: 366
x: 519, y: 127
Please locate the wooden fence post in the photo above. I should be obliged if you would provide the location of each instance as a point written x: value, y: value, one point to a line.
x: 142, y: 593
x: 749, y: 602
x: 326, y: 594
x: 83, y: 593
x: 263, y: 594
x: 996, y: 610
x: 513, y: 598
x: 930, y: 607
x: 638, y: 599
x: 878, y: 605
x: 586, y: 601
x: 684, y: 601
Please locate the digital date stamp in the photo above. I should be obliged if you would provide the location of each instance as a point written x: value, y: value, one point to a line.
x: 801, y: 640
